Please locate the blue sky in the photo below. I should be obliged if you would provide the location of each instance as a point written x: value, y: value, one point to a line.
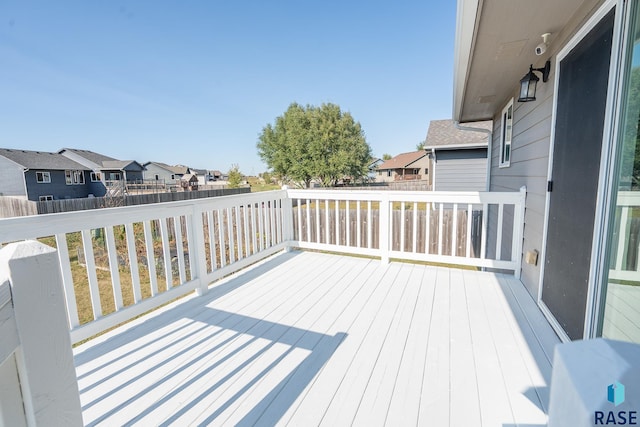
x: 194, y: 82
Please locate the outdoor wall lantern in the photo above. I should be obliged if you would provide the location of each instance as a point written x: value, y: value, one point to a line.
x: 529, y: 82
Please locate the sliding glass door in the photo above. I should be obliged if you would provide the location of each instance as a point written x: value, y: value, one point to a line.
x: 621, y: 291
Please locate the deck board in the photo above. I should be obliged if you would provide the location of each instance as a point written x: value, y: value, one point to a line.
x: 405, y: 399
x: 436, y: 387
x: 317, y: 339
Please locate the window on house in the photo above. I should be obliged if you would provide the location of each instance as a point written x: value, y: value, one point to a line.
x: 173, y: 177
x: 43, y: 177
x: 45, y: 198
x: 74, y: 177
x: 416, y: 171
x: 95, y: 177
x: 505, y: 135
x: 389, y: 172
x: 157, y: 177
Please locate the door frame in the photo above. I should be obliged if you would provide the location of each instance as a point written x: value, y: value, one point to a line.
x: 604, y: 178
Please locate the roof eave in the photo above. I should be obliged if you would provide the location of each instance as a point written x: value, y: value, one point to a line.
x: 456, y: 146
x: 466, y: 25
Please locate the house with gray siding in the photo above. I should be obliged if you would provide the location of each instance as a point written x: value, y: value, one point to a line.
x: 39, y: 175
x: 163, y: 172
x: 565, y: 126
x: 105, y: 167
x: 202, y: 175
x: 458, y: 157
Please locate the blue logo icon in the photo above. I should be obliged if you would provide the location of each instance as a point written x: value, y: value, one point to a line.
x: 615, y: 393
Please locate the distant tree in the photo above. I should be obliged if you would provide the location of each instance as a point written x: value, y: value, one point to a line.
x: 235, y: 176
x: 310, y: 142
x: 386, y: 157
x: 420, y: 145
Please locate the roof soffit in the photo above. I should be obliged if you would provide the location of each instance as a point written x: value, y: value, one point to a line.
x: 504, y: 39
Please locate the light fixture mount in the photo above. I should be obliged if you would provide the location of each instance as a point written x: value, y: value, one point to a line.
x: 529, y: 82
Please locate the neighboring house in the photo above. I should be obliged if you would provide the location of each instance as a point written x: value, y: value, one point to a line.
x: 162, y: 172
x: 413, y: 166
x: 189, y: 181
x: 38, y: 176
x: 201, y: 174
x: 573, y: 145
x: 215, y: 175
x: 180, y: 171
x: 105, y: 167
x: 458, y: 157
x: 373, y: 168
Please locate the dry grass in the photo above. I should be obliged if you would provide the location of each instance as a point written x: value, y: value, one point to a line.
x: 258, y: 185
x: 105, y: 287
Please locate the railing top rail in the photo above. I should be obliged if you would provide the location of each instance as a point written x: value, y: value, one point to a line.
x: 628, y: 198
x: 411, y: 196
x: 31, y: 227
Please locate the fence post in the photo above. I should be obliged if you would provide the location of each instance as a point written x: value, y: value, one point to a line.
x: 384, y: 226
x: 44, y: 359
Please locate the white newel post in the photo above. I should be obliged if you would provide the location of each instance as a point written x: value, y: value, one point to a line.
x: 44, y: 358
x: 385, y: 227
x: 197, y: 253
x: 287, y: 206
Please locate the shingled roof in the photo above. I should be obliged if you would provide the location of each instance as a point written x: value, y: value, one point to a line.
x: 97, y: 160
x: 40, y: 160
x: 443, y: 134
x: 403, y: 160
x: 92, y: 156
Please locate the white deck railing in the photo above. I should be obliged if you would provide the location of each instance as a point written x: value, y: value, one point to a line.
x: 141, y: 257
x: 442, y: 227
x: 118, y: 263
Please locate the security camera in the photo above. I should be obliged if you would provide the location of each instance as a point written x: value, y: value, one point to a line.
x: 542, y: 47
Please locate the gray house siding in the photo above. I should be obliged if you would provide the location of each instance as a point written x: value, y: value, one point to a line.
x: 462, y: 170
x: 163, y: 175
x: 96, y: 188
x: 11, y: 179
x: 532, y: 123
x: 57, y: 187
x: 134, y: 174
x: 528, y: 167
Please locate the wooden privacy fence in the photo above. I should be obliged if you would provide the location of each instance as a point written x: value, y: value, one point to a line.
x: 317, y: 228
x: 12, y: 206
x: 68, y: 205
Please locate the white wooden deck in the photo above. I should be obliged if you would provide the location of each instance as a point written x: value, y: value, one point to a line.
x: 621, y: 316
x: 314, y: 339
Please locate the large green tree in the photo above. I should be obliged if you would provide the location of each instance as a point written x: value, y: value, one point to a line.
x: 311, y: 142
